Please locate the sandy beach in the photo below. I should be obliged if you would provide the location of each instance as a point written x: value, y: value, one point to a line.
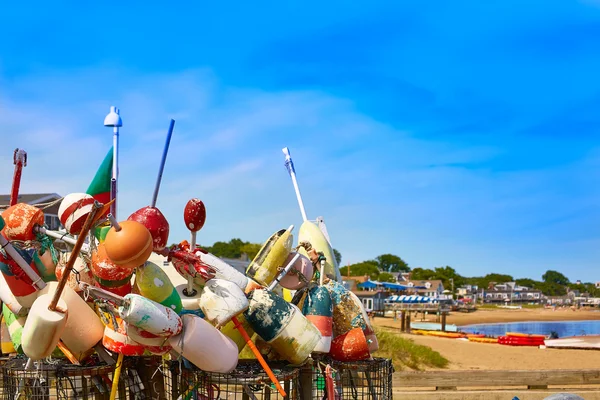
x: 465, y: 355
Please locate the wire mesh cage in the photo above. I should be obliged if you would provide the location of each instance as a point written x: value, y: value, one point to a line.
x: 357, y: 380
x: 247, y: 382
x: 58, y: 379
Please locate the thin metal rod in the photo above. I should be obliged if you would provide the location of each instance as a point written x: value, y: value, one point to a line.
x: 283, y: 273
x: 114, y: 222
x: 162, y: 163
x: 290, y: 167
x: 114, y: 187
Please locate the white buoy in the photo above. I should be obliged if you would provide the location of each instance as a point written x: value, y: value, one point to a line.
x: 43, y: 327
x: 221, y: 301
x: 150, y: 316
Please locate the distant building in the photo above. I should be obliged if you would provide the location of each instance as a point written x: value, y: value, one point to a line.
x: 50, y: 214
x: 468, y: 292
x: 510, y: 291
x: 431, y: 288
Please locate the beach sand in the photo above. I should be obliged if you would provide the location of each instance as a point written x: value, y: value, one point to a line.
x: 465, y: 355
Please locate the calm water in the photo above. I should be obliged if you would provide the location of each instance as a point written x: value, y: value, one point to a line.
x: 562, y: 328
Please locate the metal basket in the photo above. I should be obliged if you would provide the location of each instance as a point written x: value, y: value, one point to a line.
x: 58, y: 379
x: 248, y: 382
x: 357, y: 380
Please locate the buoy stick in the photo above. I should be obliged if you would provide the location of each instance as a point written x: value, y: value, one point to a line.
x: 258, y: 356
x: 115, y: 382
x: 12, y: 252
x: 113, y: 222
x: 71, y: 263
x: 322, y: 272
x: 283, y: 273
x: 20, y: 161
x: 162, y: 163
x: 289, y: 164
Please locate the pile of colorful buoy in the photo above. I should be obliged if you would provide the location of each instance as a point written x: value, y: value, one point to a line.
x: 105, y: 295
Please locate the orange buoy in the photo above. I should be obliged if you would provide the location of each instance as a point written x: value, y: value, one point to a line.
x: 130, y: 246
x: 351, y: 346
x: 20, y: 220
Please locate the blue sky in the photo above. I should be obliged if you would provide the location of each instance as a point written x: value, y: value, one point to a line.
x: 449, y: 133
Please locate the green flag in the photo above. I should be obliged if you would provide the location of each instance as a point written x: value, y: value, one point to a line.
x: 100, y: 186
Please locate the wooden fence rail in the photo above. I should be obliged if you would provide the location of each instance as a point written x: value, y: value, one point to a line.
x: 449, y: 380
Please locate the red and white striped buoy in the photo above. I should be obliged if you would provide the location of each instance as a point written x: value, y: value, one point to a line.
x: 73, y: 211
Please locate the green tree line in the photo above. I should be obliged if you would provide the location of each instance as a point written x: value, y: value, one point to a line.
x: 553, y: 283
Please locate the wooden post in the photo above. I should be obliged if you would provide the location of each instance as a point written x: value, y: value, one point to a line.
x: 402, y: 321
x: 306, y: 380
x: 408, y: 321
x: 443, y: 321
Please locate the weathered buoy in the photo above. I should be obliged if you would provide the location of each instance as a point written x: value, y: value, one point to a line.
x: 117, y: 341
x: 46, y: 265
x: 154, y: 284
x: 157, y: 345
x: 318, y: 309
x: 372, y: 341
x: 194, y: 215
x: 347, y: 310
x: 156, y: 223
x: 43, y: 328
x: 223, y: 270
x: 189, y: 302
x: 150, y: 316
x: 264, y: 267
x: 130, y: 246
x: 74, y: 209
x: 9, y: 300
x: 81, y: 272
x: 15, y: 326
x: 6, y: 344
x: 84, y: 330
x: 234, y: 334
x: 282, y: 326
x: 106, y: 272
x: 300, y: 274
x: 204, y: 346
x: 16, y: 280
x: 351, y: 346
x: 20, y: 220
x: 221, y: 301
x: 310, y: 232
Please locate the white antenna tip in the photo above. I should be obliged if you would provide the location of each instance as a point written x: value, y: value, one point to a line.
x: 286, y: 151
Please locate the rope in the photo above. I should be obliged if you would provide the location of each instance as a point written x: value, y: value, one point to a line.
x: 42, y: 206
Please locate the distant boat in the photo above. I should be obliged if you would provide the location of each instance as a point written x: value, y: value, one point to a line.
x: 432, y: 326
x: 575, y: 342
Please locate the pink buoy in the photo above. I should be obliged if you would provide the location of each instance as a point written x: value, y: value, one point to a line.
x: 73, y: 211
x: 300, y: 275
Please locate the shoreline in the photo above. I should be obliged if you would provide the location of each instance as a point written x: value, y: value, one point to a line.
x: 465, y: 355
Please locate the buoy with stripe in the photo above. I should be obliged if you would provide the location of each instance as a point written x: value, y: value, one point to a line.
x: 20, y: 285
x: 108, y: 275
x: 20, y: 220
x: 318, y: 309
x: 154, y: 284
x: 9, y: 300
x: 118, y: 341
x: 73, y: 211
x: 282, y: 325
x: 157, y: 345
x: 265, y: 266
x: 204, y: 346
